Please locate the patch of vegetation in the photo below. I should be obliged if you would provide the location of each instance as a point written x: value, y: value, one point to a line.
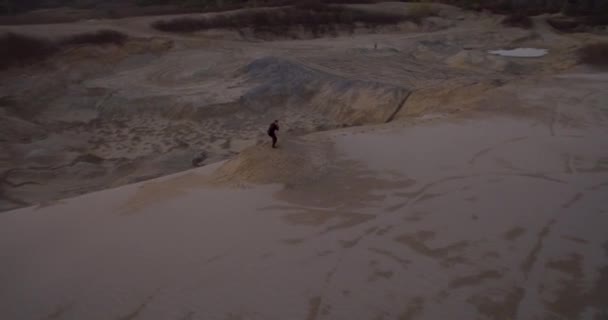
x: 241, y: 3
x: 577, y: 24
x: 586, y: 7
x: 18, y: 12
x: 418, y: 11
x: 100, y: 37
x: 314, y: 16
x: 19, y: 6
x: 597, y: 20
x: 20, y: 50
x: 518, y: 21
x: 533, y: 7
x: 564, y: 24
x: 595, y: 54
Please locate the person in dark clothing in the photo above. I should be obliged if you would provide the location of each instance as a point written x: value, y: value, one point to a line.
x: 272, y: 132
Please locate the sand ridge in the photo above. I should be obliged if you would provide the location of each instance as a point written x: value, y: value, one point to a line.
x: 484, y: 197
x: 491, y: 225
x: 149, y: 108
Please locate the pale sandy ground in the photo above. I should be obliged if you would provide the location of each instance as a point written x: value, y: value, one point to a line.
x: 97, y: 117
x: 491, y: 217
x: 485, y: 198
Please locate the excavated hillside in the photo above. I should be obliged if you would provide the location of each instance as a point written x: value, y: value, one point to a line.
x: 95, y: 117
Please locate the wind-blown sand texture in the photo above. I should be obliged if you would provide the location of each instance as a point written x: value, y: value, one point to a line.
x: 484, y: 197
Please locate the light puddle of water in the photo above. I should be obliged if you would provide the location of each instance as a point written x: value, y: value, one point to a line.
x: 520, y: 52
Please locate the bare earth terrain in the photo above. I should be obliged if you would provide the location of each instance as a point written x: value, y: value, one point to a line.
x: 418, y: 176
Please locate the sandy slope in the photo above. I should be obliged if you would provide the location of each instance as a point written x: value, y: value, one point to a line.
x: 99, y: 117
x: 495, y: 217
x: 484, y: 198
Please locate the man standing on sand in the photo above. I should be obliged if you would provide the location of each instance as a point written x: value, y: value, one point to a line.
x: 271, y: 132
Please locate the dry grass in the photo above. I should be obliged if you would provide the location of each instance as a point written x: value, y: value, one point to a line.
x: 532, y: 7
x: 71, y: 12
x: 564, y: 24
x: 518, y: 21
x: 595, y: 54
x: 21, y: 50
x: 597, y: 20
x: 315, y: 16
x: 67, y: 14
x: 101, y: 37
x: 418, y: 11
x: 578, y: 24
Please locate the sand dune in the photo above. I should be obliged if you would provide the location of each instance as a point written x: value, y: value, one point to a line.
x: 146, y: 109
x: 418, y: 176
x: 495, y: 217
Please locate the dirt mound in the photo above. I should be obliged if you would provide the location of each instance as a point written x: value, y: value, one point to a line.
x: 284, y: 83
x: 94, y: 116
x: 451, y: 98
x: 478, y: 59
x: 295, y: 162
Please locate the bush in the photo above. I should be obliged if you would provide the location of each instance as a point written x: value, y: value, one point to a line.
x: 529, y: 7
x: 313, y: 16
x: 418, y: 11
x: 578, y: 24
x: 597, y: 20
x: 19, y: 50
x: 564, y: 24
x: 518, y: 21
x: 101, y: 37
x: 594, y: 54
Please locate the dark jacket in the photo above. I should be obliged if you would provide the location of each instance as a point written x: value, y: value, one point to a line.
x: 273, y: 127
